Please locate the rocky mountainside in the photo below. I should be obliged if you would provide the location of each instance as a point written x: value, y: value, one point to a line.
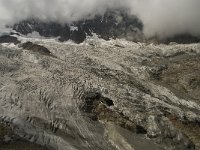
x: 102, y: 95
x: 114, y: 24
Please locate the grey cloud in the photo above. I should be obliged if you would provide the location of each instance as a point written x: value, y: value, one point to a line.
x: 160, y: 17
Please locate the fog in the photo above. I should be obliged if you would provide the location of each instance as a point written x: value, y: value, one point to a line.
x: 162, y: 18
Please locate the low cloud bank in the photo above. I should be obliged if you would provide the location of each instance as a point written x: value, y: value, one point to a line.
x: 162, y: 18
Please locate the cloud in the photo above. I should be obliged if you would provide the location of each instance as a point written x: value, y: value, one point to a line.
x: 168, y: 17
x: 162, y: 18
x: 54, y: 10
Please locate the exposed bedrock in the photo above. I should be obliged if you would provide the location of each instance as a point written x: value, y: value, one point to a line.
x: 9, y: 39
x: 113, y: 24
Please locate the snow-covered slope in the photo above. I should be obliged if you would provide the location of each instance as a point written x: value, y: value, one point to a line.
x: 99, y: 95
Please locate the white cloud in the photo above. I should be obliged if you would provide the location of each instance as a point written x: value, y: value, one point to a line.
x: 160, y: 17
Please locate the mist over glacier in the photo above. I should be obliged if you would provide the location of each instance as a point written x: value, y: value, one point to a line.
x: 162, y: 18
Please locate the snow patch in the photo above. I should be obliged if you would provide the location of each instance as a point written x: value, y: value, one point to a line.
x: 34, y: 35
x: 73, y: 28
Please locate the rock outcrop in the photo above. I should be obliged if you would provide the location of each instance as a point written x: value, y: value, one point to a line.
x: 9, y: 39
x: 35, y: 48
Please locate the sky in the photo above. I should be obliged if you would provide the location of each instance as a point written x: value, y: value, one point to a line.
x: 163, y: 18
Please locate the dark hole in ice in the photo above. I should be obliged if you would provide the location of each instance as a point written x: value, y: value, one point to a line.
x: 89, y: 101
x: 140, y: 130
x: 108, y: 102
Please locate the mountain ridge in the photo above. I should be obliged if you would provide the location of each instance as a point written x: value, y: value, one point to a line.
x: 113, y: 24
